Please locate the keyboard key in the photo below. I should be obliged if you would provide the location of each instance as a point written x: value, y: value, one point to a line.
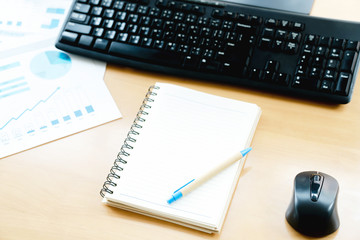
x: 209, y: 65
x: 268, y: 76
x: 147, y: 42
x: 96, y: 21
x: 326, y: 86
x: 255, y: 74
x: 332, y: 64
x: 308, y: 49
x: 285, y: 24
x: 217, y: 13
x: 283, y: 78
x: 119, y: 5
x: 78, y: 28
x: 96, y: 11
x: 101, y: 44
x: 82, y: 8
x: 123, y: 37
x: 353, y: 45
x: 255, y: 20
x: 106, y: 3
x: 159, y: 44
x: 304, y: 83
x: 108, y: 23
x: 68, y: 37
x: 268, y: 32
x: 315, y: 73
x: 86, y: 41
x: 301, y: 70
x: 281, y: 34
x: 161, y: 3
x: 190, y: 62
x: 294, y: 37
x: 349, y: 61
x: 343, y: 84
x: 98, y: 32
x: 330, y: 75
x: 338, y: 43
x: 311, y: 39
x: 94, y: 2
x: 291, y: 47
x: 109, y: 13
x: 244, y: 28
x: 324, y: 41
x: 147, y: 54
x: 272, y: 66
x: 78, y: 17
x: 271, y: 22
x: 265, y: 43
x: 229, y: 15
x: 335, y: 53
x: 278, y: 45
x: 321, y: 51
x: 298, y: 26
x: 134, y: 39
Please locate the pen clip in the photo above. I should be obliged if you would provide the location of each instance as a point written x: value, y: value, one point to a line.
x: 184, y: 185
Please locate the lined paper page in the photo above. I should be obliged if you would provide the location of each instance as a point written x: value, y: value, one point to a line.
x: 186, y: 133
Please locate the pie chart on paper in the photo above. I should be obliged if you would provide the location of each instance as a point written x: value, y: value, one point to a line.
x: 50, y: 64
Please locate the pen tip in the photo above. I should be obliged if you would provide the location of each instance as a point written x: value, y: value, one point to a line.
x: 245, y: 151
x: 171, y: 200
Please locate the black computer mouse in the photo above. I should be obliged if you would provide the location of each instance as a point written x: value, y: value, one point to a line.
x: 313, y: 208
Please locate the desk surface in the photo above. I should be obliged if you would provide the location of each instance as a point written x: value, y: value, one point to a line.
x: 52, y: 191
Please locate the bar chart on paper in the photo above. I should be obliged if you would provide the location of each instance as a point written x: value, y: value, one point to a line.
x: 47, y: 94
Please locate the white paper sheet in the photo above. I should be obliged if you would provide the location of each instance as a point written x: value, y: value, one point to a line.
x: 46, y: 94
x: 24, y: 22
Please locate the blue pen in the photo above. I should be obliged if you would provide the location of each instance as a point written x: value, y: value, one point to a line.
x: 194, y: 183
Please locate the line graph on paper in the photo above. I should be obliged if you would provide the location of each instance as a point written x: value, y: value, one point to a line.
x: 59, y: 108
x: 29, y: 110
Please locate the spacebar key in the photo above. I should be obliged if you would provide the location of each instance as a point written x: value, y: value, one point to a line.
x: 144, y: 54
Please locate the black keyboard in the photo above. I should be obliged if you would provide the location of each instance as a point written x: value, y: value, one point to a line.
x: 223, y: 42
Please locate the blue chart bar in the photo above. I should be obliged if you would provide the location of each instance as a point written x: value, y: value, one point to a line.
x: 67, y: 118
x: 31, y: 131
x: 89, y: 109
x: 55, y: 122
x: 78, y: 113
x: 43, y: 127
x: 55, y: 10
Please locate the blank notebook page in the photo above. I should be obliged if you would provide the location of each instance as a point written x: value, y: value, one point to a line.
x: 185, y: 133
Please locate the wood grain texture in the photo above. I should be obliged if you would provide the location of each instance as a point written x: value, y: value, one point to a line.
x: 52, y: 191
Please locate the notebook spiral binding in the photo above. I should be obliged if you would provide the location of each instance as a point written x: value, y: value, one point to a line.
x: 130, y: 138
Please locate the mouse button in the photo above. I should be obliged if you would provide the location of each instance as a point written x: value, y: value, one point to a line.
x: 301, y: 184
x: 316, y: 183
x: 329, y: 189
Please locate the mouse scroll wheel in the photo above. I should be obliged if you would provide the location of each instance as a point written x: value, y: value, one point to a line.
x: 316, y: 182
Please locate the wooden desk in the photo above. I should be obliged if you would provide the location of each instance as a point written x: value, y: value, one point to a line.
x: 52, y: 191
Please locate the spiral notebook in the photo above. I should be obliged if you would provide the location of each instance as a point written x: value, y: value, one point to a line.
x: 176, y: 134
